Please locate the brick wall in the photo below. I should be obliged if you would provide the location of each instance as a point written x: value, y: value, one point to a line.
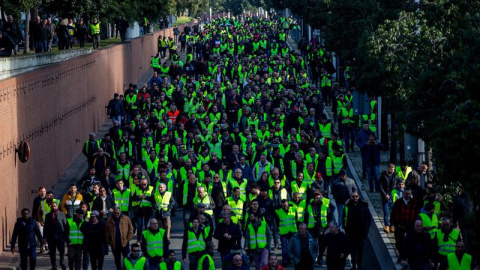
x: 52, y: 108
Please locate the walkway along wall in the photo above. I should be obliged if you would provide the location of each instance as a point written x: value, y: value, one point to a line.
x: 54, y: 109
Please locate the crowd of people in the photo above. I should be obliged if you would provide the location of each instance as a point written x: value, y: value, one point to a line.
x: 44, y: 33
x: 236, y: 137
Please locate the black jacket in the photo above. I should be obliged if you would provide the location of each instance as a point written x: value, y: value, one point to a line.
x: 26, y: 230
x: 98, y: 203
x: 417, y: 248
x: 55, y: 229
x: 357, y: 220
x: 387, y: 185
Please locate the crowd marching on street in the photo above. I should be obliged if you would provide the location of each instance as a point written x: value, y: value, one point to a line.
x: 235, y: 140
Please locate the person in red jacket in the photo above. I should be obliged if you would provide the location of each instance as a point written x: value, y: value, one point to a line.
x: 273, y: 263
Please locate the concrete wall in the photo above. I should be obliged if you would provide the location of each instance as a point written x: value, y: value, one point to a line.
x: 54, y: 108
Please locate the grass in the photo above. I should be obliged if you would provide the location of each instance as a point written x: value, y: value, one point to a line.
x: 182, y: 20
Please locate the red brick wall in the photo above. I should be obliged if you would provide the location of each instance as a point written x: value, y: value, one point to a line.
x: 54, y: 106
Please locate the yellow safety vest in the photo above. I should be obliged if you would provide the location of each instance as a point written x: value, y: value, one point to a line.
x: 147, y: 193
x: 258, y: 239
x: 162, y: 201
x: 122, y: 199
x: 195, y: 244
x: 236, y: 208
x: 446, y: 247
x: 95, y: 28
x: 312, y: 218
x: 430, y: 222
x: 75, y: 235
x: 288, y: 224
x: 176, y: 265
x: 200, y: 262
x: 139, y: 264
x: 454, y: 264
x: 154, y: 242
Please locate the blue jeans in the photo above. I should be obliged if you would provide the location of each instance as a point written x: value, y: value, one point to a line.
x: 387, y: 207
x: 117, y: 118
x: 24, y: 254
x: 274, y: 229
x: 372, y: 174
x: 340, y: 209
x: 285, y: 257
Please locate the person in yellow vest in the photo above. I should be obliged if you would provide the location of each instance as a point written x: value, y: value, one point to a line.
x: 205, y: 261
x: 287, y: 223
x: 459, y: 260
x: 143, y: 195
x: 95, y: 33
x: 429, y: 219
x: 171, y: 262
x: 193, y: 243
x: 154, y: 244
x: 403, y: 170
x: 135, y: 259
x: 257, y: 240
x: 75, y: 240
x: 203, y: 197
x: 164, y: 203
x: 445, y: 240
x: 317, y: 214
x: 122, y: 197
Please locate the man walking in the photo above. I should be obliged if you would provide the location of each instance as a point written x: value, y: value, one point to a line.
x: 25, y: 230
x: 54, y: 231
x: 303, y: 249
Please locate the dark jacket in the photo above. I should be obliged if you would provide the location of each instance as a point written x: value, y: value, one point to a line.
x: 26, y: 230
x: 94, y: 235
x: 7, y: 43
x: 295, y: 247
x: 98, y: 204
x: 357, y: 219
x: 417, y: 249
x: 55, y: 229
x: 371, y: 153
x: 225, y: 245
x: 341, y: 190
x: 336, y: 244
x: 387, y: 185
x: 115, y: 108
x: 12, y: 29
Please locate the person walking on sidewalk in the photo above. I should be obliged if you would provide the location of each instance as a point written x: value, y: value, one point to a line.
x: 25, y: 230
x: 388, y: 181
x: 371, y: 155
x: 54, y: 232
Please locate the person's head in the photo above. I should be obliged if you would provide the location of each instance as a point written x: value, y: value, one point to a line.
x: 171, y: 255
x: 191, y: 178
x: 236, y: 192
x: 92, y: 171
x: 153, y: 223
x: 72, y: 189
x: 201, y: 191
x: 272, y: 260
x: 54, y: 206
x: 460, y: 248
x: 407, y: 194
x: 120, y: 184
x: 117, y: 212
x: 210, y: 247
x: 400, y: 184
x: 418, y: 226
x: 42, y: 192
x: 355, y: 196
x: 162, y: 187
x: 391, y: 169
x: 25, y: 213
x: 195, y: 223
x: 238, y: 173
x: 446, y: 223
x: 333, y: 227
x: 143, y: 183
x: 79, y: 213
x: 302, y: 229
x: 285, y: 205
x: 237, y: 261
x: 253, y: 217
x: 135, y: 250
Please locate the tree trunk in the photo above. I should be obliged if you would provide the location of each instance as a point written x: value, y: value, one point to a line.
x: 27, y: 33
